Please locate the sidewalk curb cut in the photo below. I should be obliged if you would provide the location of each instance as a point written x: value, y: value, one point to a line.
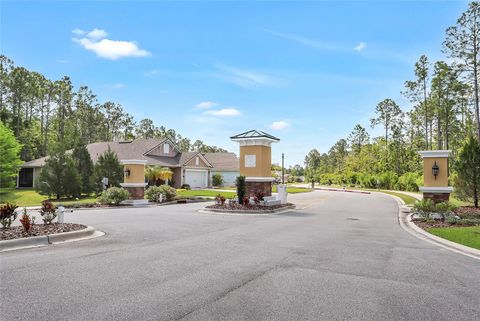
x: 405, y: 221
x: 45, y: 240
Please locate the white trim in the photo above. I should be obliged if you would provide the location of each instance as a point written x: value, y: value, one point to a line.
x: 255, y: 141
x: 133, y: 162
x: 434, y: 153
x: 259, y: 179
x: 425, y: 189
x: 158, y: 145
x: 198, y: 154
x: 133, y: 184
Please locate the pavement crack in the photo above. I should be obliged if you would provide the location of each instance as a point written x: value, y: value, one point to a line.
x: 225, y: 293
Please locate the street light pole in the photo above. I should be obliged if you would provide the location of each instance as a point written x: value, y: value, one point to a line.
x: 283, y: 175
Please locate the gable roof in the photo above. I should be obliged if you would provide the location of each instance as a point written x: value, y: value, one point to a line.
x: 255, y: 134
x: 139, y: 148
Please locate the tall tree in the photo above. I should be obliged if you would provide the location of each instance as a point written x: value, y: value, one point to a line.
x: 9, y: 157
x: 108, y: 166
x: 358, y: 137
x: 468, y: 169
x: 417, y: 90
x: 387, y: 112
x: 84, y: 164
x: 463, y: 43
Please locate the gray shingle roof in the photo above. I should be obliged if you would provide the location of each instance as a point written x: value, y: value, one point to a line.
x: 227, y: 162
x: 255, y: 134
x: 137, y: 148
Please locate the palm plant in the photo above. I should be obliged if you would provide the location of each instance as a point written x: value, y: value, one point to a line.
x: 155, y: 173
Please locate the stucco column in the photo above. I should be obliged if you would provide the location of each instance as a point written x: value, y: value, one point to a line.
x: 435, y: 175
x: 134, y: 178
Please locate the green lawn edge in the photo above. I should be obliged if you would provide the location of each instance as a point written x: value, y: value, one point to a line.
x: 468, y: 236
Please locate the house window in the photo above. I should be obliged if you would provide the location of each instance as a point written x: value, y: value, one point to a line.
x: 166, y: 148
x: 197, y: 161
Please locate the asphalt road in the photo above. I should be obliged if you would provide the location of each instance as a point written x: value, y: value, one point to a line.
x: 342, y: 257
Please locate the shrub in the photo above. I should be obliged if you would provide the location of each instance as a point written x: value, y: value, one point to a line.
x: 241, y: 188
x: 217, y: 179
x: 27, y: 221
x: 445, y: 209
x: 424, y: 207
x: 168, y: 191
x: 185, y: 186
x: 113, y: 195
x: 246, y: 201
x: 387, y: 180
x: 220, y: 199
x: 7, y: 214
x: 408, y: 182
x: 154, y: 194
x: 48, y: 212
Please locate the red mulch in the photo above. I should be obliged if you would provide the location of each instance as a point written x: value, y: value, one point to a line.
x: 17, y: 232
x: 239, y: 207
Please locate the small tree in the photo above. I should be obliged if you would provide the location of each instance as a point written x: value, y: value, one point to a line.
x: 467, y: 183
x: 108, y: 166
x: 217, y: 179
x: 9, y: 156
x: 59, y: 176
x: 84, y: 165
x: 156, y: 173
x: 241, y: 188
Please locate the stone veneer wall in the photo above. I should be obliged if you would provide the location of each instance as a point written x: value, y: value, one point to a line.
x: 136, y: 193
x: 259, y: 187
x: 437, y: 197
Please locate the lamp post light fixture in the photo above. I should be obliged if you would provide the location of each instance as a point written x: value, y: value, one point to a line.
x: 127, y: 173
x: 435, y: 170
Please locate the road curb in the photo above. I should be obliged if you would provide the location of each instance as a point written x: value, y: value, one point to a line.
x: 249, y: 213
x: 405, y: 221
x: 45, y: 240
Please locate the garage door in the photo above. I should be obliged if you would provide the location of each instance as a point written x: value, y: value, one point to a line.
x: 196, y: 179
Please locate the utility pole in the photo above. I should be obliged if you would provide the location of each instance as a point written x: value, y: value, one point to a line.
x: 283, y: 175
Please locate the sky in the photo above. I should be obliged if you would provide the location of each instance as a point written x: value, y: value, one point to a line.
x: 306, y: 72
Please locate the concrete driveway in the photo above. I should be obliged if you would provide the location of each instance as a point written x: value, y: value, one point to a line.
x: 342, y: 257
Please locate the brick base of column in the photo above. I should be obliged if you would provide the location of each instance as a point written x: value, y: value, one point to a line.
x: 437, y: 197
x: 254, y: 188
x: 136, y: 193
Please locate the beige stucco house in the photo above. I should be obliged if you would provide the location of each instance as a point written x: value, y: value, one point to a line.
x: 192, y: 168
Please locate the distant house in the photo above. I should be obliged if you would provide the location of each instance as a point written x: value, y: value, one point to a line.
x: 192, y: 168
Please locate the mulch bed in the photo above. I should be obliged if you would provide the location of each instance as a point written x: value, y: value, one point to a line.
x: 17, y: 232
x: 250, y: 208
x: 470, y: 211
x: 464, y: 212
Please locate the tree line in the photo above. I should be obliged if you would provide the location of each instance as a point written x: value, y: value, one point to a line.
x: 43, y: 113
x: 444, y: 115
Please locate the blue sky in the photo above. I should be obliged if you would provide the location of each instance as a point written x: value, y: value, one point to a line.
x: 306, y: 72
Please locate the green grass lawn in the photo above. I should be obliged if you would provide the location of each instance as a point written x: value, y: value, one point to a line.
x: 409, y: 200
x: 29, y: 197
x: 201, y: 192
x: 469, y: 236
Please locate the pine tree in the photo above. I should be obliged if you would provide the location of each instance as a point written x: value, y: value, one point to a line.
x: 9, y: 156
x: 467, y: 183
x: 84, y: 165
x: 108, y: 166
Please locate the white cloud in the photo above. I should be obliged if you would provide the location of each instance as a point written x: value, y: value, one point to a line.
x: 106, y: 48
x: 78, y: 32
x: 303, y: 40
x: 96, y: 34
x: 224, y: 112
x: 245, y: 78
x: 360, y: 46
x: 206, y: 105
x: 279, y: 125
x: 152, y: 72
x: 114, y: 86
